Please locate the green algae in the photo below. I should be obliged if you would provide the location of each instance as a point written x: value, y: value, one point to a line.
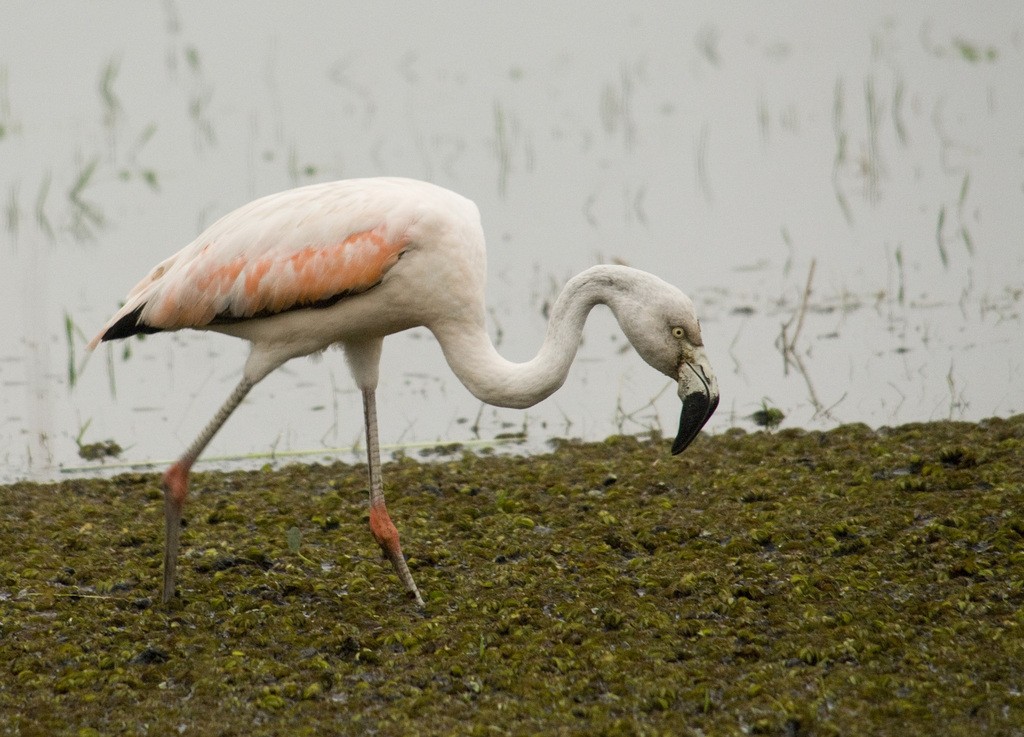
x: 844, y: 582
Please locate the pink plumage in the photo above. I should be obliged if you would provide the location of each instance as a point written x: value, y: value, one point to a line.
x: 295, y: 249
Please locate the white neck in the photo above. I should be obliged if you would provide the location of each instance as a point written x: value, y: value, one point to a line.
x: 497, y: 381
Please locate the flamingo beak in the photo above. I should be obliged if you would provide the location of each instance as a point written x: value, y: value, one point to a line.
x: 698, y: 389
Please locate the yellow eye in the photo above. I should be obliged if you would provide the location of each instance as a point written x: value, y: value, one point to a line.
x: 678, y: 332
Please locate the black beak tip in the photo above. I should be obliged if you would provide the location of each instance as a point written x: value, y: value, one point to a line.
x: 697, y: 410
x: 679, y: 444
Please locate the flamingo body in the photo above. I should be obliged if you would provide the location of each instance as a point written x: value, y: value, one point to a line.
x: 353, y: 261
x: 309, y: 248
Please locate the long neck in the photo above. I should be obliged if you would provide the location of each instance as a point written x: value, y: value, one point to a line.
x: 495, y: 380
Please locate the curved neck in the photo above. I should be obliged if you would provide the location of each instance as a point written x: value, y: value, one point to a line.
x: 503, y: 383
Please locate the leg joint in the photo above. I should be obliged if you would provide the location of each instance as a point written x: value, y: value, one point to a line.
x: 175, y: 483
x: 383, y: 529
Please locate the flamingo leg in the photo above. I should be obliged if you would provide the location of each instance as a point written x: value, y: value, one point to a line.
x: 175, y: 484
x: 383, y: 529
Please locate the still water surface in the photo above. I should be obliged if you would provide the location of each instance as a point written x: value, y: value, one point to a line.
x: 840, y: 192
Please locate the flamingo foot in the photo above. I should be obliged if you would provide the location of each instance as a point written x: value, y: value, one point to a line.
x: 175, y: 483
x: 386, y: 535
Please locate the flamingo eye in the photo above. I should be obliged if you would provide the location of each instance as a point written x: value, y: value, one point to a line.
x: 678, y: 332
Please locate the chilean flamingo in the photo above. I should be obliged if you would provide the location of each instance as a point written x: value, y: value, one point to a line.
x: 351, y: 262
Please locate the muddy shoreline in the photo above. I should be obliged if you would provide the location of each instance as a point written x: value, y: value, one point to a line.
x: 849, y: 581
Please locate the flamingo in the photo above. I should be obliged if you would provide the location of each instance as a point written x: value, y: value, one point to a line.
x: 349, y: 262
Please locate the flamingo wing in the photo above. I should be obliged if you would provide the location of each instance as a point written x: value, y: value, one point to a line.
x: 304, y: 248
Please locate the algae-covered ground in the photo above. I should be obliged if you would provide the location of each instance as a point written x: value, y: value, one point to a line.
x: 797, y: 583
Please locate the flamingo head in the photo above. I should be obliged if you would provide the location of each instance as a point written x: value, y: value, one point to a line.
x: 663, y: 327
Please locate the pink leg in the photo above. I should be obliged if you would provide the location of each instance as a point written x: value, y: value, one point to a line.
x: 386, y: 535
x: 383, y: 529
x: 175, y: 485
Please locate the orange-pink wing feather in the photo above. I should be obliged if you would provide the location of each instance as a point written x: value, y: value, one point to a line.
x: 295, y: 249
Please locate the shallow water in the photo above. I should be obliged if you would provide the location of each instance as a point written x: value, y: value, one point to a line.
x: 728, y: 153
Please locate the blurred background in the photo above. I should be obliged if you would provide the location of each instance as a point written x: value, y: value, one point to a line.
x: 840, y: 191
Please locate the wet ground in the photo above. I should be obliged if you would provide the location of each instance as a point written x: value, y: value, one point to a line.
x: 788, y: 583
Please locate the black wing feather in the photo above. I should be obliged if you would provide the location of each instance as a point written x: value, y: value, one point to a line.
x: 129, y: 325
